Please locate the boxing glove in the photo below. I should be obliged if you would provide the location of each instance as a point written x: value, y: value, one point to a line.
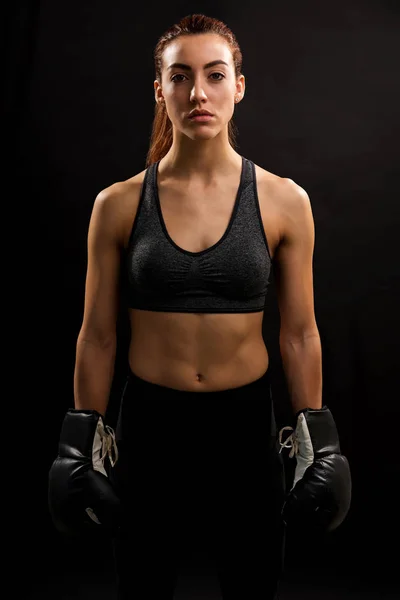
x: 320, y: 496
x: 81, y: 498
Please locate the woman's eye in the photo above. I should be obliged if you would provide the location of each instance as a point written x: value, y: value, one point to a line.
x: 173, y: 78
x: 212, y: 75
x: 218, y: 74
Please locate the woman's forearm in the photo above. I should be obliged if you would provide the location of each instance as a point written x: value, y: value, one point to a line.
x: 302, y: 364
x: 93, y: 375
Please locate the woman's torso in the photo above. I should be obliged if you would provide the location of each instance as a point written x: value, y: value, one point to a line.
x: 200, y: 351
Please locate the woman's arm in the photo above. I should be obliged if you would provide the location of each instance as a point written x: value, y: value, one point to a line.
x: 96, y: 343
x: 299, y: 339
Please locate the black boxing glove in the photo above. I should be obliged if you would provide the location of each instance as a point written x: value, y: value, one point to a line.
x: 80, y: 496
x: 320, y: 497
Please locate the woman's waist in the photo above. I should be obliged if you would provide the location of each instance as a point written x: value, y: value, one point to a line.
x: 212, y: 368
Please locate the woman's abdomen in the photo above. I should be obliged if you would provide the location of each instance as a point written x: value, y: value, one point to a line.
x: 197, y: 352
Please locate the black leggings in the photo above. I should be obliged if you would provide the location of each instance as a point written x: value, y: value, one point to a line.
x: 199, y: 470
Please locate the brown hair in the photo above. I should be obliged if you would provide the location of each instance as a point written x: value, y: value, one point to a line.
x: 161, y: 136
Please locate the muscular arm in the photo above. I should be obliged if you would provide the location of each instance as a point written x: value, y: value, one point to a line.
x: 299, y: 339
x: 96, y: 343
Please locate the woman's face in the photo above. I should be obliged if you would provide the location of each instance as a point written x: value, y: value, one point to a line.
x: 189, y: 82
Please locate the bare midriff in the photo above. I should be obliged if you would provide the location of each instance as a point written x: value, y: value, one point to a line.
x: 197, y: 352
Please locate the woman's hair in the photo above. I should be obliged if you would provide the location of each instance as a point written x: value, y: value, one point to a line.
x: 161, y: 136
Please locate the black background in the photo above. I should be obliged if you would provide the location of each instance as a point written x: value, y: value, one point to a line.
x: 321, y: 107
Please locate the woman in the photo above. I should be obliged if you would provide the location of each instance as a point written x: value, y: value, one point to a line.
x: 193, y: 238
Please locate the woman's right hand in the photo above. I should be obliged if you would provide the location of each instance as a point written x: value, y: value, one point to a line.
x: 80, y: 495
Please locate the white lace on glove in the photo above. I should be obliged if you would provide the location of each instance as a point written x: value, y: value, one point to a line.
x: 108, y: 446
x: 290, y: 442
x: 300, y: 444
x: 104, y: 444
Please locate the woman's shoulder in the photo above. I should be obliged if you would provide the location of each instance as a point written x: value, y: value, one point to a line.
x: 122, y: 195
x: 121, y: 190
x: 120, y: 201
x: 282, y: 200
x: 265, y: 176
x: 277, y: 185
